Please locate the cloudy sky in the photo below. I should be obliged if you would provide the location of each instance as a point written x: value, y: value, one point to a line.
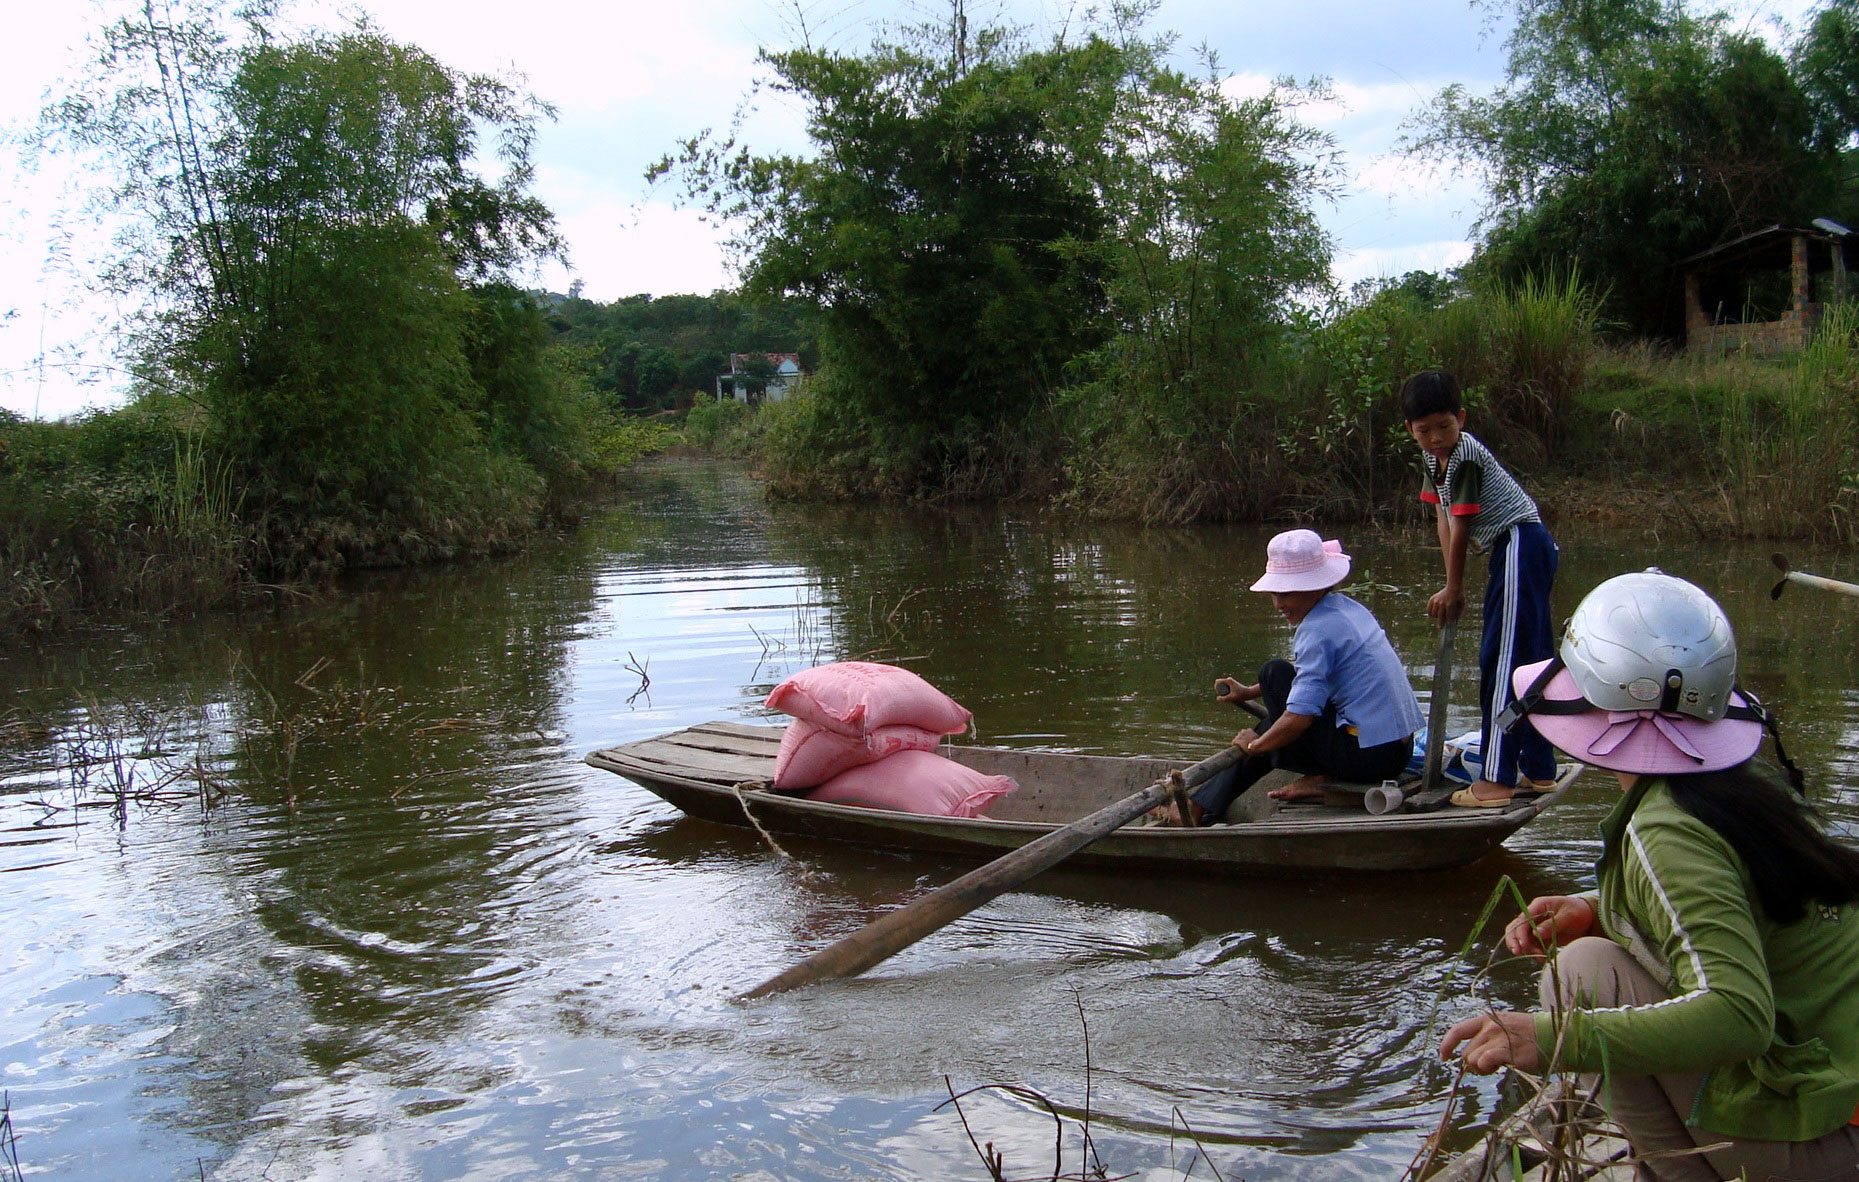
x: 630, y: 78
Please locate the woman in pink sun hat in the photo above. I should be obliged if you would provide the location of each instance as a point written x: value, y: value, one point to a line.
x: 1707, y: 992
x: 1341, y: 706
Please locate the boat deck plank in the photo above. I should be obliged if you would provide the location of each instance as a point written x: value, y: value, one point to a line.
x: 731, y: 737
x: 698, y: 763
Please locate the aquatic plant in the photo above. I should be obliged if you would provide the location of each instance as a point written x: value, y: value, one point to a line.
x: 1550, y: 1123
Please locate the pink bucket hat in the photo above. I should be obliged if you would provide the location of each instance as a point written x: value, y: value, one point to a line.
x: 1645, y: 741
x: 1299, y: 560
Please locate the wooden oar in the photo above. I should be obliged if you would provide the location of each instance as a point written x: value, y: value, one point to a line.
x: 897, y: 930
x: 1806, y: 580
x: 1436, y: 708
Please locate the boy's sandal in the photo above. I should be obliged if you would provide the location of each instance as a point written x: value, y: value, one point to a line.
x: 1466, y: 798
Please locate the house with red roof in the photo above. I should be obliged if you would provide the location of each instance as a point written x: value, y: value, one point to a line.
x: 755, y: 376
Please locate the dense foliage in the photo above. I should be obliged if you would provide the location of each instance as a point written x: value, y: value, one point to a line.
x: 650, y: 354
x: 984, y: 223
x: 1632, y: 134
x: 332, y: 363
x: 321, y: 254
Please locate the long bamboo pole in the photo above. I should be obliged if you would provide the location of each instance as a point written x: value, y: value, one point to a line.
x: 1436, y: 707
x: 893, y: 932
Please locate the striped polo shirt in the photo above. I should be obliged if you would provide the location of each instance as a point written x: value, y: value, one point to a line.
x: 1475, y: 485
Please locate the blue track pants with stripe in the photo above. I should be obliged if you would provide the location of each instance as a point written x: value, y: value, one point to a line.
x: 1518, y: 631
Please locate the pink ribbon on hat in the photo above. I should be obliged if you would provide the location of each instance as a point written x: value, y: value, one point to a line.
x: 1623, y: 724
x: 1331, y: 549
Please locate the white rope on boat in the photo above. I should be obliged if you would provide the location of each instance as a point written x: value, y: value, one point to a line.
x: 806, y: 872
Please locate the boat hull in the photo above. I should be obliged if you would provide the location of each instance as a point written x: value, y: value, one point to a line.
x: 718, y: 772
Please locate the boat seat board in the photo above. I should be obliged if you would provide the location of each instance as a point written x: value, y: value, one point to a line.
x: 696, y: 762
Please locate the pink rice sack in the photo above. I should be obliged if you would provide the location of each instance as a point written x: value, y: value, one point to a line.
x: 855, y: 698
x: 810, y: 756
x: 916, y: 782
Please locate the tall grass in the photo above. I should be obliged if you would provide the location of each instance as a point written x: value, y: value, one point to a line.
x: 1524, y: 351
x: 1788, y: 451
x: 1306, y: 424
x: 722, y: 426
x: 125, y: 509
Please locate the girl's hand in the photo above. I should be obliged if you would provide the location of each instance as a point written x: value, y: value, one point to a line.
x: 1492, y: 1041
x: 1549, y: 921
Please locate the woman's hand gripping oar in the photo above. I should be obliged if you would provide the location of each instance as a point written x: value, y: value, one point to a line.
x: 897, y: 930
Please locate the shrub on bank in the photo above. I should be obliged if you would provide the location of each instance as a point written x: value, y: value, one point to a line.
x: 139, y: 508
x: 1307, y: 425
x: 116, y: 509
x: 720, y: 426
x: 817, y: 445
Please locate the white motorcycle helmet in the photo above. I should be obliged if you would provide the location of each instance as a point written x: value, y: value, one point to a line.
x: 1649, y: 641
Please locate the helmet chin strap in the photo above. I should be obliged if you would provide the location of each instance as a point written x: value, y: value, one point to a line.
x: 1674, y: 682
x: 1750, y: 709
x: 1531, y: 700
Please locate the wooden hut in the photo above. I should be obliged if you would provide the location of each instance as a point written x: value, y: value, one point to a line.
x: 1764, y: 292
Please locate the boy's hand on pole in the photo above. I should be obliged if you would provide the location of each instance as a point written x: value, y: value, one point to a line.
x: 1446, y: 605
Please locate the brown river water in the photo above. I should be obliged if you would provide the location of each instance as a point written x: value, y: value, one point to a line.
x: 328, y: 892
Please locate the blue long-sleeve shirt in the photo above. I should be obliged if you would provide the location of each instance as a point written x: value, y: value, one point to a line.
x: 1343, y: 656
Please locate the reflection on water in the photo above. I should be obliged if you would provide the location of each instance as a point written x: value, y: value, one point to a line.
x: 329, y: 894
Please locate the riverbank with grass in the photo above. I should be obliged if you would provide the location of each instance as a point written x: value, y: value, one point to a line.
x: 137, y: 511
x: 144, y: 509
x: 1623, y: 436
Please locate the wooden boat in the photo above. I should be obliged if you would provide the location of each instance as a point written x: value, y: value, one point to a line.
x: 720, y: 772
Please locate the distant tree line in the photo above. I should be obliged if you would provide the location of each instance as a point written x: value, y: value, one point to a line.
x: 643, y: 354
x: 1072, y: 269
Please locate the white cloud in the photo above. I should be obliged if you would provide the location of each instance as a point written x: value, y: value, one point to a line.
x: 1352, y: 266
x: 621, y: 250
x: 1402, y: 176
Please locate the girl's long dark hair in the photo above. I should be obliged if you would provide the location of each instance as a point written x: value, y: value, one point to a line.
x: 1775, y: 832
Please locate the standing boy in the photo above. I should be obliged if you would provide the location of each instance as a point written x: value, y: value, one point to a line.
x: 1480, y: 506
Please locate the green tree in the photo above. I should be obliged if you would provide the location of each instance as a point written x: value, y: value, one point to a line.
x: 988, y: 226
x: 1826, y: 61
x: 942, y: 224
x: 1215, y: 238
x: 1629, y: 134
x: 319, y: 248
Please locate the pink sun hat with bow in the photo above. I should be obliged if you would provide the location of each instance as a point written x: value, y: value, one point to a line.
x: 1645, y: 741
x: 1299, y: 560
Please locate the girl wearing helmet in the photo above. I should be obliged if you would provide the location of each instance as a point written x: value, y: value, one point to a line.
x: 1710, y: 985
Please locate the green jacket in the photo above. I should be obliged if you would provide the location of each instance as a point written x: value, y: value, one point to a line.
x: 1768, y: 1012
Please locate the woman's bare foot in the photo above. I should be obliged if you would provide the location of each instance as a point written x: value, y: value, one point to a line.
x: 1302, y: 788
x: 1168, y: 814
